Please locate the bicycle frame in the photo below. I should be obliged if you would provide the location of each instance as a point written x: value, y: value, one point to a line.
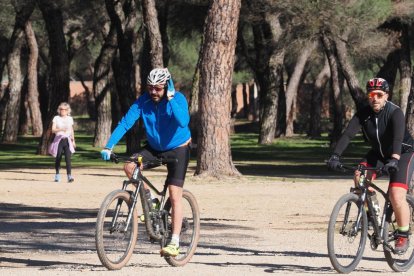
x: 117, y: 229
x: 362, y: 189
x: 138, y: 180
x: 353, y: 214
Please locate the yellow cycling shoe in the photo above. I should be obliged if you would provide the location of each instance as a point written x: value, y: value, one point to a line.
x: 171, y: 250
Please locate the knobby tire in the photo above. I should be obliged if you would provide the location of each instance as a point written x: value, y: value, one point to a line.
x: 342, y: 259
x: 107, y: 238
x: 190, y: 231
x: 400, y: 263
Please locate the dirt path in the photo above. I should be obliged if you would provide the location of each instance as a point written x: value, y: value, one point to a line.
x: 249, y: 226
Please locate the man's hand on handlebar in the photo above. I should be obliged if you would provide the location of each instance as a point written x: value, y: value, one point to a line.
x: 391, y: 166
x: 334, y: 162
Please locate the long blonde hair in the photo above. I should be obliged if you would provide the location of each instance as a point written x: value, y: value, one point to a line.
x: 64, y: 105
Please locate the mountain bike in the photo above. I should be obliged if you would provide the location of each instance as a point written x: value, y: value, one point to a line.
x: 117, y: 221
x: 348, y: 228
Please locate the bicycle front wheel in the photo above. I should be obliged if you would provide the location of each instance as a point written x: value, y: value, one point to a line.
x: 114, y: 242
x: 190, y: 229
x: 399, y: 262
x: 347, y: 237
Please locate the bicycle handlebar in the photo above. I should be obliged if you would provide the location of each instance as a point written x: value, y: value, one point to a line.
x: 156, y: 162
x: 360, y: 167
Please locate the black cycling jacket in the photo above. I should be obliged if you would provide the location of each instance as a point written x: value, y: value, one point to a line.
x: 385, y: 130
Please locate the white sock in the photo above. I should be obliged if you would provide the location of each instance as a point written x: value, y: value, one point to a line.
x: 175, y: 239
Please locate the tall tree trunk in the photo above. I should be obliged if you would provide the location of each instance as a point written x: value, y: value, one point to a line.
x: 59, y: 70
x: 43, y: 77
x: 4, y: 46
x: 389, y: 70
x: 348, y: 71
x: 194, y: 108
x: 270, y: 99
x: 13, y: 96
x: 409, y: 116
x: 24, y: 117
x: 233, y: 105
x: 268, y: 73
x: 405, y: 67
x: 335, y: 95
x: 32, y: 92
x: 163, y: 18
x: 13, y: 92
x: 101, y: 88
x: 293, y: 85
x: 316, y: 102
x: 90, y: 98
x: 124, y: 68
x: 245, y: 87
x: 154, y: 34
x: 281, y: 105
x: 216, y: 71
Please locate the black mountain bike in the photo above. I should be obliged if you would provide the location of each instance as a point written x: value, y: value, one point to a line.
x: 349, y: 230
x: 117, y: 222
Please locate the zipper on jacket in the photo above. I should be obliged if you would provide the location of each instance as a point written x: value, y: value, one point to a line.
x: 379, y: 143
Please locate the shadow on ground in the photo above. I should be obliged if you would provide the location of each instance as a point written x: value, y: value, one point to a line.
x: 60, y: 231
x: 26, y: 229
x: 291, y: 171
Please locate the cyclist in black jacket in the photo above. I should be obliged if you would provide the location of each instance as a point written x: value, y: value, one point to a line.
x: 383, y: 125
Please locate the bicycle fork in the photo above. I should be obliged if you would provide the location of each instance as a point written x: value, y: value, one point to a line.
x: 357, y: 223
x: 131, y: 210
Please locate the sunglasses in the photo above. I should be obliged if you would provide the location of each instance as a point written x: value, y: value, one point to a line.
x: 378, y: 94
x: 63, y: 109
x: 156, y: 88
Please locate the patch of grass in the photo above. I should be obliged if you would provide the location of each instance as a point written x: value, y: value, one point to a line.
x: 286, y: 156
x: 23, y: 154
x: 297, y: 155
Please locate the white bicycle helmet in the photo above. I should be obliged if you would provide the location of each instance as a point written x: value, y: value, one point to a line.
x: 158, y: 76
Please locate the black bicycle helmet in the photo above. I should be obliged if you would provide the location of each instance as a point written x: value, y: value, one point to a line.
x: 378, y: 84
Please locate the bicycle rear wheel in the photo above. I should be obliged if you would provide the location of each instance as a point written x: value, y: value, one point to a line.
x: 190, y: 229
x: 114, y: 244
x: 346, y: 240
x: 403, y: 262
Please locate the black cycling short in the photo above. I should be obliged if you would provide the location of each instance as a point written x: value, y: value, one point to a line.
x: 176, y: 171
x: 402, y: 178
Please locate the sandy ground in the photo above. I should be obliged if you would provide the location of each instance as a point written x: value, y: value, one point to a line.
x: 249, y: 226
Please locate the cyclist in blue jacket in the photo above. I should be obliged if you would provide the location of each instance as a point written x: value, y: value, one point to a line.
x: 164, y: 112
